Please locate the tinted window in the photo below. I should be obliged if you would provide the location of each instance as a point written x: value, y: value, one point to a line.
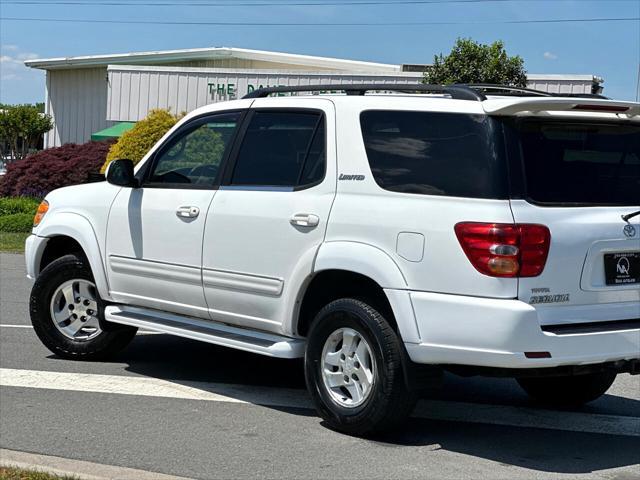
x: 281, y: 149
x: 586, y: 163
x: 194, y: 156
x: 434, y: 153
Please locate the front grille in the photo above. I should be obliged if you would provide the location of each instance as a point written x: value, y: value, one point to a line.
x: 592, y: 327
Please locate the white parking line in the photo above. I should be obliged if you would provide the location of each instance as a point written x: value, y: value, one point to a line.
x: 153, y: 387
x: 281, y: 397
x: 4, y: 325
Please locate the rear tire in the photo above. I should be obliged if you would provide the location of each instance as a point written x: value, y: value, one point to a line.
x: 353, y: 367
x: 66, y: 288
x: 569, y: 390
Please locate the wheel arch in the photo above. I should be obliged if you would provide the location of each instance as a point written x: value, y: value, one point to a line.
x: 68, y: 233
x: 363, y: 259
x: 351, y: 269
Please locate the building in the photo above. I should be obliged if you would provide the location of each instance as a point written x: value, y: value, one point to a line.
x: 86, y: 95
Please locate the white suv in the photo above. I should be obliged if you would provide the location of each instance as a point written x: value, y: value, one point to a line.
x: 383, y: 237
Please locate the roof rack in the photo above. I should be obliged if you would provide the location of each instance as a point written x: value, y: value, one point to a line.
x: 471, y: 91
x: 582, y: 95
x: 488, y: 88
x: 458, y: 92
x: 505, y: 90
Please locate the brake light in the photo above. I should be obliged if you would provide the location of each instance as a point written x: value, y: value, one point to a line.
x: 42, y: 209
x: 504, y: 249
x: 602, y: 108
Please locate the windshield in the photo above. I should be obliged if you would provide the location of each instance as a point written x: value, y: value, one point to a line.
x: 572, y: 162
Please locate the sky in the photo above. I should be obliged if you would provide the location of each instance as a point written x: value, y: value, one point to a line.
x: 610, y: 50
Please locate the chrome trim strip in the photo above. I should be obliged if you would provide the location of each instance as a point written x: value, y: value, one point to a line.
x: 256, y: 188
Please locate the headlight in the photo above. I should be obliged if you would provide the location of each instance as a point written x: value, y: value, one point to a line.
x: 42, y: 209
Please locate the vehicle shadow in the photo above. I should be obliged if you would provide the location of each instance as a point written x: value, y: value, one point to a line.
x: 566, y: 452
x: 553, y: 451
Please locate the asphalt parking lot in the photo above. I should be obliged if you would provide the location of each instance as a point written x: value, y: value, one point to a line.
x: 189, y: 409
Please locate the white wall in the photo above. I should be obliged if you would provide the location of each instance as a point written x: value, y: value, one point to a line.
x: 134, y: 90
x: 77, y: 100
x: 86, y: 100
x: 554, y: 84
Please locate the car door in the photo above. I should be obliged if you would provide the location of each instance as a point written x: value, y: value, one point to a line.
x: 270, y: 214
x: 154, y: 235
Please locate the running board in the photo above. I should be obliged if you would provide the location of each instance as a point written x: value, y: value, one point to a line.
x: 208, y: 331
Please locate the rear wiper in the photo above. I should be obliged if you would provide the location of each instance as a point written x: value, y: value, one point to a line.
x: 629, y: 216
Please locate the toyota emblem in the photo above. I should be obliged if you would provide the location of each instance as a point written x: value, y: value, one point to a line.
x: 629, y: 230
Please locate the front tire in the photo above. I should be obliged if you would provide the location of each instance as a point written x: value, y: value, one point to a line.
x: 353, y: 369
x: 568, y: 390
x: 67, y: 312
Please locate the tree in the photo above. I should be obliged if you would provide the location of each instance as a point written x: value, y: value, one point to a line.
x: 134, y: 144
x: 44, y: 171
x: 21, y: 127
x: 473, y: 62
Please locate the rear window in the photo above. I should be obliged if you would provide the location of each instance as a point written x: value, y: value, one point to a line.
x: 579, y: 162
x: 435, y: 153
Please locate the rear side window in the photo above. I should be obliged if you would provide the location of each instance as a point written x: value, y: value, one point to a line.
x: 284, y: 149
x: 435, y: 153
x: 579, y: 162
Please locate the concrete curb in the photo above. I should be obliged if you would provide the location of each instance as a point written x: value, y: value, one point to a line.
x: 77, y: 468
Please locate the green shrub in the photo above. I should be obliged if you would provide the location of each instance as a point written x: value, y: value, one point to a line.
x: 12, y: 205
x: 134, y: 144
x: 16, y: 223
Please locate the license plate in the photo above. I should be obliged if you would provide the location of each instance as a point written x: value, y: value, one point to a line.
x: 622, y: 268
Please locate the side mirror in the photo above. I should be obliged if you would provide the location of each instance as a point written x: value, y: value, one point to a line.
x: 120, y: 172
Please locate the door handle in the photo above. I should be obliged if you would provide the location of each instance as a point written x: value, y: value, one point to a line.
x: 188, y: 212
x: 305, y: 220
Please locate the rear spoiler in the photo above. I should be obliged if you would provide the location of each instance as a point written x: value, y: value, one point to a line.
x: 511, y: 106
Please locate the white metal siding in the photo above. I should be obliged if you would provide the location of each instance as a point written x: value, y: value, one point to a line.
x: 77, y: 101
x: 133, y: 91
x: 561, y: 86
x: 82, y: 102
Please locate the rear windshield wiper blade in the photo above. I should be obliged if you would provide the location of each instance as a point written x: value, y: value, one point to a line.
x: 629, y: 216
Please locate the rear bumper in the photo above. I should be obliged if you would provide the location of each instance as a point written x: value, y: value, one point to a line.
x: 460, y: 330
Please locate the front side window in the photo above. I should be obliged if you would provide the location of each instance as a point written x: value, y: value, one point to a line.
x: 284, y: 149
x: 193, y: 158
x: 435, y: 153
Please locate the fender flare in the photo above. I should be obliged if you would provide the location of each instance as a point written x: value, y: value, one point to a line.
x: 374, y: 263
x: 79, y: 228
x: 362, y: 258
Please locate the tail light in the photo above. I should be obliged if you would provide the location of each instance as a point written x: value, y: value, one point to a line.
x: 505, y: 249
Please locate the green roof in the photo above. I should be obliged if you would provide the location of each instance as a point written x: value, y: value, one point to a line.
x: 114, y: 131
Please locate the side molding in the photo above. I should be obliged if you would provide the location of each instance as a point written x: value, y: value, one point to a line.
x: 80, y: 229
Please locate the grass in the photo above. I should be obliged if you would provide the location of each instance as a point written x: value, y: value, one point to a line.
x: 10, y: 473
x: 12, y: 243
x: 16, y: 221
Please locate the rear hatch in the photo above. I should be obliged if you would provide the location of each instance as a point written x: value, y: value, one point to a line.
x: 578, y: 176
